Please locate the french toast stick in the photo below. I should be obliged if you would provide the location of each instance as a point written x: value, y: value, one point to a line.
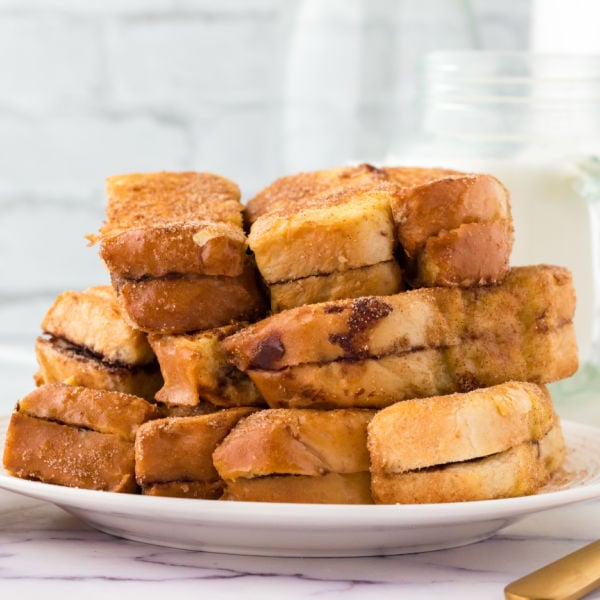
x: 76, y: 436
x: 173, y: 456
x: 500, y: 441
x: 297, y: 456
x: 88, y: 341
x: 534, y: 298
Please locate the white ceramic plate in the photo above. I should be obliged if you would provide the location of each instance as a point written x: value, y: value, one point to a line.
x: 312, y: 529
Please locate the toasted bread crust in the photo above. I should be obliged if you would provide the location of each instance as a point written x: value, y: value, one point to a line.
x: 384, y: 278
x: 201, y: 247
x: 330, y: 220
x: 77, y: 437
x: 99, y: 410
x: 164, y: 223
x: 72, y: 457
x: 297, y: 456
x: 330, y: 488
x: 473, y: 254
x: 180, y: 449
x: 541, y: 357
x: 446, y: 203
x: 59, y: 363
x: 295, y: 442
x: 354, y: 232
x: 294, y: 193
x: 531, y: 298
x: 205, y: 490
x: 165, y: 197
x: 93, y: 319
x: 426, y: 432
x: 183, y: 304
x: 518, y: 471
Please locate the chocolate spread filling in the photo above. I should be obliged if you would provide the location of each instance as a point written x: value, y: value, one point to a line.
x: 267, y: 351
x: 84, y: 353
x: 364, y: 313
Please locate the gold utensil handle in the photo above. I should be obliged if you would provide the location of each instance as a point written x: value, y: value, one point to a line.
x: 568, y: 578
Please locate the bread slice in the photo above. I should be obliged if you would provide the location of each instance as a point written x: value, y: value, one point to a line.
x: 294, y: 193
x: 472, y: 254
x: 536, y: 298
x: 89, y: 342
x: 455, y: 230
x: 541, y: 357
x: 62, y: 362
x: 317, y: 456
x: 93, y: 319
x: 432, y: 431
x: 181, y: 304
x: 350, y: 229
x: 173, y: 456
x: 195, y: 368
x: 519, y: 471
x: 473, y: 446
x: 161, y: 223
x: 380, y: 279
x: 172, y: 241
x: 77, y: 437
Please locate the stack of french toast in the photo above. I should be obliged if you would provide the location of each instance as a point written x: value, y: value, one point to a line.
x: 349, y: 336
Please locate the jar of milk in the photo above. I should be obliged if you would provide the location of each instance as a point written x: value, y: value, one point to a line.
x: 533, y: 121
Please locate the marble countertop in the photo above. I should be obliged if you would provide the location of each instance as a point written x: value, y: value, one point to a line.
x: 44, y: 550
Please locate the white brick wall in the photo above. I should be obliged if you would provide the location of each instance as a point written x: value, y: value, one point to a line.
x: 248, y: 88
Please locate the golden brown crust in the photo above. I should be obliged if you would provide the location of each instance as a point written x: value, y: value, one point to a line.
x: 139, y: 199
x: 472, y: 254
x: 60, y: 362
x: 426, y: 432
x: 447, y: 203
x: 77, y: 437
x: 55, y: 453
x: 195, y: 368
x: 294, y: 193
x: 381, y: 279
x: 540, y: 357
x: 456, y: 230
x: 190, y: 303
x: 180, y: 449
x: 537, y: 298
x: 99, y: 410
x: 161, y: 223
x: 92, y: 319
x: 295, y: 442
x: 331, y: 488
x: 315, y: 223
x: 201, y: 247
x: 205, y: 490
x: 518, y: 471
x: 355, y: 231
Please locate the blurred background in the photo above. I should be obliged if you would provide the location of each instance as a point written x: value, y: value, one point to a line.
x: 250, y: 89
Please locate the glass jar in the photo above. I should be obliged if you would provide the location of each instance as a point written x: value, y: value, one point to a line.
x: 534, y: 122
